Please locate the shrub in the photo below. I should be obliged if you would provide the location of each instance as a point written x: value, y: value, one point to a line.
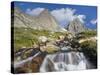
x: 89, y: 48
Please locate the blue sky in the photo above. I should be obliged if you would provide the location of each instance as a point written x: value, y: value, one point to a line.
x: 63, y: 13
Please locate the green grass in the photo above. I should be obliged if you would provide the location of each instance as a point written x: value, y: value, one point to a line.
x: 87, y: 34
x: 26, y: 37
x: 23, y: 38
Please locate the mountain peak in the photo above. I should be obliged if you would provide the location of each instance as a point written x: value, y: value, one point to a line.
x: 44, y: 12
x: 75, y: 26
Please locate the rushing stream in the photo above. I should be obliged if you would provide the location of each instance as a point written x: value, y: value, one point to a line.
x: 64, y: 62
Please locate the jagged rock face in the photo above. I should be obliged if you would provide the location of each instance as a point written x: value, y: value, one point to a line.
x: 43, y: 21
x: 75, y: 26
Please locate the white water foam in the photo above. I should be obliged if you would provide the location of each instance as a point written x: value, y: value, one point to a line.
x: 64, y: 62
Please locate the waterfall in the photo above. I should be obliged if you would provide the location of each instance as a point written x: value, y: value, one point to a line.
x: 65, y: 61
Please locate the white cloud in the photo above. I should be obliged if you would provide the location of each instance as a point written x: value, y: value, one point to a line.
x: 35, y: 11
x: 93, y: 21
x: 63, y: 15
x: 66, y: 15
x: 81, y: 18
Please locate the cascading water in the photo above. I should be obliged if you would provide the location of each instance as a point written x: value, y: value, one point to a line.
x: 64, y: 61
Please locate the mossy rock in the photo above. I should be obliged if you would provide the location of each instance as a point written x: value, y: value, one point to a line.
x: 52, y: 49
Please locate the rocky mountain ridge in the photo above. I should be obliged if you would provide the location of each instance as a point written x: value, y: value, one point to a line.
x: 43, y: 21
x: 76, y: 26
